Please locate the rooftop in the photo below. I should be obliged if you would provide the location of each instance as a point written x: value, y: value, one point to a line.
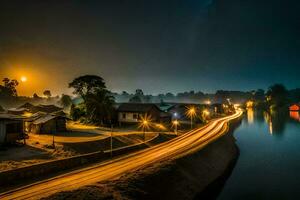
x: 137, y: 107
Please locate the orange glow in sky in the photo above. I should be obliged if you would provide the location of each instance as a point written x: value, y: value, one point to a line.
x: 30, y: 80
x: 23, y: 78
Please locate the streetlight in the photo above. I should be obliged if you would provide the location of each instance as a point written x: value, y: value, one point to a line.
x: 205, y: 113
x: 144, y: 124
x: 191, y: 113
x: 175, y: 123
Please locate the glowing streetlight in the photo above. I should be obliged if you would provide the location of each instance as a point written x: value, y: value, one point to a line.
x: 205, y: 114
x: 144, y: 125
x: 191, y: 112
x: 175, y: 123
x: 175, y: 115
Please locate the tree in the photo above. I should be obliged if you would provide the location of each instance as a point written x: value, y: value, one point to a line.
x: 77, y: 112
x: 99, y: 107
x: 139, y: 92
x: 35, y: 96
x: 135, y: 99
x: 88, y: 84
x: 65, y: 100
x: 97, y: 100
x: 277, y: 95
x: 9, y: 88
x: 47, y: 93
x: 124, y: 93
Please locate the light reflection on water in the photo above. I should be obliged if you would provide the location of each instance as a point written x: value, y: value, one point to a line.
x: 295, y: 115
x: 250, y: 115
x: 269, y: 162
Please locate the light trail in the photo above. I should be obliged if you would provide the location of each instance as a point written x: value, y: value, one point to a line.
x: 180, y: 146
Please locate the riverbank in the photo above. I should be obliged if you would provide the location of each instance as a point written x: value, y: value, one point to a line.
x: 200, y: 175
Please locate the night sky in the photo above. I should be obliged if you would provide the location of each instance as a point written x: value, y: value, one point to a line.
x: 155, y: 45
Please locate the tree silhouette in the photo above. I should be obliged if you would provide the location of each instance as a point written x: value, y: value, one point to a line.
x: 98, y: 101
x: 47, y: 93
x: 65, y: 100
x: 135, y: 99
x: 277, y: 95
x: 9, y: 88
x: 88, y: 84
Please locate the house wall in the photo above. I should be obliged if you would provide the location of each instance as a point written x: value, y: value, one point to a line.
x: 61, y: 125
x: 13, y: 135
x: 129, y: 117
x: 48, y: 127
x: 155, y: 116
x: 51, y: 126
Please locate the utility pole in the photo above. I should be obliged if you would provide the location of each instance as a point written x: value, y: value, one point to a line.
x: 111, y: 140
x: 144, y: 135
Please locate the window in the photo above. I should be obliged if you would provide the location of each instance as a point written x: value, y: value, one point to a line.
x: 124, y: 115
x: 135, y: 116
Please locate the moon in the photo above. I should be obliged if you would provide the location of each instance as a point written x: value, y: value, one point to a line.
x: 23, y: 79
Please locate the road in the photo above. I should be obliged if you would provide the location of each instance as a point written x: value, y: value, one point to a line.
x: 177, y: 147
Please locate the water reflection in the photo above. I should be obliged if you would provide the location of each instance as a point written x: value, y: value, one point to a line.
x: 295, y: 115
x: 276, y: 121
x: 268, y: 120
x: 276, y: 157
x: 250, y: 115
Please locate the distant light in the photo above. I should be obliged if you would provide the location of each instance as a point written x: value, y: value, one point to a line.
x: 249, y: 104
x: 23, y: 79
x: 206, y: 112
x: 208, y: 102
x: 175, y: 122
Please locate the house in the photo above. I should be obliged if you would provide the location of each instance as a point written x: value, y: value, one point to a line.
x: 44, y: 119
x: 295, y: 107
x: 43, y: 123
x: 135, y: 112
x: 217, y: 108
x: 11, y: 128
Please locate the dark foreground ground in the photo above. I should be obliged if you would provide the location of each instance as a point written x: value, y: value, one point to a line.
x: 197, y: 176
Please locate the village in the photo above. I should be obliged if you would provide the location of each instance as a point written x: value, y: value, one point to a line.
x: 31, y: 134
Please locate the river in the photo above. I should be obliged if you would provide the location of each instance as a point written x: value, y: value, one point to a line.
x: 269, y: 163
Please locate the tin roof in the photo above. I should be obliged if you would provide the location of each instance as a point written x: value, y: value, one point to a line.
x: 10, y: 116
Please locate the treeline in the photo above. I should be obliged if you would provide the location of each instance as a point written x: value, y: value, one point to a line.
x: 183, y: 97
x: 97, y: 103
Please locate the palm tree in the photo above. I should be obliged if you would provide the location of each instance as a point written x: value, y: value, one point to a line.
x: 99, y: 107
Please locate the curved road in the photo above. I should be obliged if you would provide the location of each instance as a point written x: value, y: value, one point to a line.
x: 177, y: 147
